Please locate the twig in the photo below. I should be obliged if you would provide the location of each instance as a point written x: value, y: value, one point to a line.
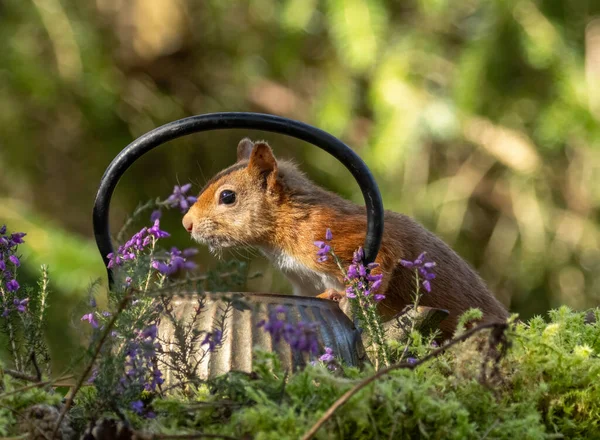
x: 184, y: 436
x: 90, y: 365
x: 29, y: 387
x: 35, y: 365
x: 411, y: 366
x: 20, y: 375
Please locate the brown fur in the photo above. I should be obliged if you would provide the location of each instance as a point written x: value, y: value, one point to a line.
x: 279, y: 210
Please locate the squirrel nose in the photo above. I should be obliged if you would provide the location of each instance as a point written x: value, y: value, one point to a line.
x: 188, y: 223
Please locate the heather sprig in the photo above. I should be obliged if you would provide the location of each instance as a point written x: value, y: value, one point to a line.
x: 423, y: 270
x: 139, y: 242
x: 21, y: 309
x: 362, y: 287
x: 302, y: 336
x: 175, y: 261
x: 179, y: 198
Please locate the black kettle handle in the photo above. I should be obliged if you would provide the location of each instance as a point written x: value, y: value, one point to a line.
x: 254, y: 121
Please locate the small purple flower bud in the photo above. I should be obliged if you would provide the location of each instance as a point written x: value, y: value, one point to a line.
x: 161, y: 267
x: 427, y: 285
x: 2, y: 265
x: 90, y: 318
x: 359, y: 255
x: 21, y: 305
x: 12, y: 286
x: 2, y: 229
x: 352, y: 272
x: 328, y: 235
x: 379, y: 297
x: 17, y: 238
x: 362, y: 270
x: 406, y: 263
x: 376, y: 285
x: 327, y: 356
x: 137, y: 406
x: 350, y: 292
x: 14, y: 260
x: 189, y: 252
x: 155, y: 215
x: 411, y: 360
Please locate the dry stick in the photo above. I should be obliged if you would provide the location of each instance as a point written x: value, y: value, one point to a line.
x: 342, y: 400
x: 184, y: 436
x: 29, y: 387
x: 90, y: 365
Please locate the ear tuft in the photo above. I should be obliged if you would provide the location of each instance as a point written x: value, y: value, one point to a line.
x: 262, y: 159
x: 244, y: 149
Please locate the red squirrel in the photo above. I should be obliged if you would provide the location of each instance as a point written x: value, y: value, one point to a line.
x: 271, y: 205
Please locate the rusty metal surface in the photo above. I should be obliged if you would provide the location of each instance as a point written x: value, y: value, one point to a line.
x: 243, y: 334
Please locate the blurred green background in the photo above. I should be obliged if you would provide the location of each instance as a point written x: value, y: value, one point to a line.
x: 480, y: 118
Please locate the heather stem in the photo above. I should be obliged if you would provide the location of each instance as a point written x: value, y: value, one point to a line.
x: 413, y: 319
x: 11, y: 332
x: 150, y: 269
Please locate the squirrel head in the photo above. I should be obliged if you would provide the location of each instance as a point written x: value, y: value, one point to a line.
x: 238, y: 206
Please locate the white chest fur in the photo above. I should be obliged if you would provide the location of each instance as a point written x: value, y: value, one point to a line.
x: 304, y: 280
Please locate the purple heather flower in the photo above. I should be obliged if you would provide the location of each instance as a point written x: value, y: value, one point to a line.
x: 302, y: 336
x: 323, y: 251
x: 179, y: 198
x: 213, y: 339
x: 328, y: 235
x: 352, y: 272
x: 156, y: 232
x: 2, y: 265
x: 138, y: 242
x: 411, y: 360
x: 2, y: 229
x: 17, y: 238
x: 150, y: 332
x: 328, y: 356
x: 93, y: 376
x: 350, y: 292
x: 378, y: 297
x: 14, y: 260
x: 12, y: 286
x: 106, y: 314
x: 21, y: 304
x: 137, y: 406
x: 177, y: 262
x: 155, y: 215
x: 90, y: 318
x: 424, y: 268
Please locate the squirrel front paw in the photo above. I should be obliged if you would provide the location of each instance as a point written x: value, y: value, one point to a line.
x: 332, y: 295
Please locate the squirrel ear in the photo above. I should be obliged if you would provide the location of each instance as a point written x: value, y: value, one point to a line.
x: 244, y: 149
x: 262, y: 159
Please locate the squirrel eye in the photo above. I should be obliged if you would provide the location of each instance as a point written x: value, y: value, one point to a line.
x: 227, y: 197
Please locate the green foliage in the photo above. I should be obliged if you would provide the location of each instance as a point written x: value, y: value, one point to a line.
x: 545, y: 387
